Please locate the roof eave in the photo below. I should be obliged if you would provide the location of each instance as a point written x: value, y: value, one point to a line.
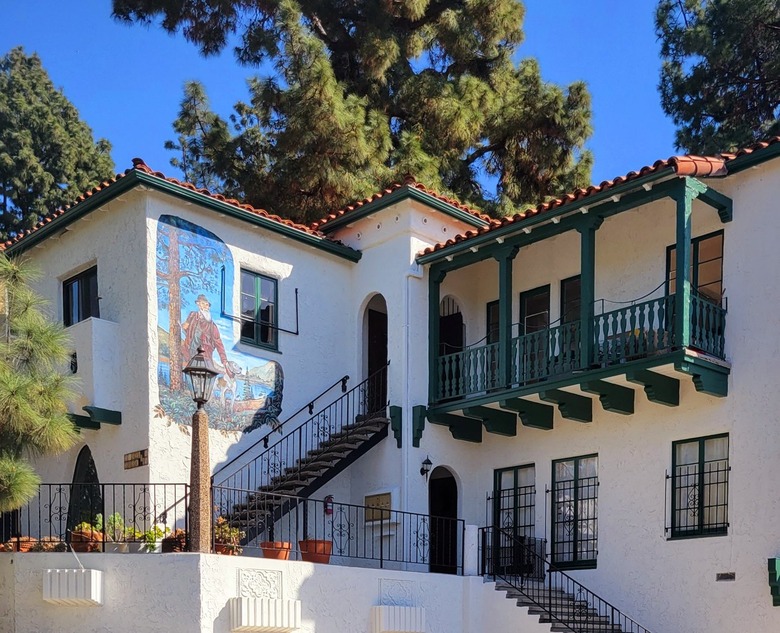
x: 402, y: 193
x: 754, y: 158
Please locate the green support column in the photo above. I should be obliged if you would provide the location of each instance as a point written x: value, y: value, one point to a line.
x: 587, y: 230
x: 682, y: 297
x: 505, y: 257
x: 435, y: 278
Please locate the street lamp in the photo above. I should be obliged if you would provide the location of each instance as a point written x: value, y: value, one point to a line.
x: 201, y: 379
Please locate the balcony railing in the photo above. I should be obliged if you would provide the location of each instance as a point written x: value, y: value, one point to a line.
x: 355, y: 535
x: 634, y: 332
x: 91, y: 517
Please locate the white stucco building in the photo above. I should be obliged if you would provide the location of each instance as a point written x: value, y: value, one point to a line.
x: 590, y: 384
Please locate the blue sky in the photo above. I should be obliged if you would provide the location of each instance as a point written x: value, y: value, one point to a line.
x: 126, y: 80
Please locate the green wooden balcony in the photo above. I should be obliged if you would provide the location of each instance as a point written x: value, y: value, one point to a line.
x: 641, y: 335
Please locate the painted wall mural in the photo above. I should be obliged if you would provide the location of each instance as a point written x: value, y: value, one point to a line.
x: 194, y: 268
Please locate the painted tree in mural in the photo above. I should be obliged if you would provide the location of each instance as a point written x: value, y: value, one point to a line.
x: 34, y: 389
x: 368, y: 91
x: 185, y: 262
x: 46, y: 151
x: 720, y: 79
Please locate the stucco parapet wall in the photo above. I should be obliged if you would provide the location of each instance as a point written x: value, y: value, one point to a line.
x: 265, y: 615
x: 73, y: 587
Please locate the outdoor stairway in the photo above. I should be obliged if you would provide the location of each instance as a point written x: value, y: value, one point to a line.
x: 563, y: 611
x: 310, y: 472
x: 292, y: 466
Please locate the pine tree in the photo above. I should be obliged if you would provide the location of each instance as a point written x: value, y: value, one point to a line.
x: 720, y: 79
x: 368, y: 91
x: 33, y: 387
x: 47, y: 154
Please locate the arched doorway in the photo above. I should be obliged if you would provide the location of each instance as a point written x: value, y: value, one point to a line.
x: 443, y: 509
x: 86, y: 497
x: 376, y: 351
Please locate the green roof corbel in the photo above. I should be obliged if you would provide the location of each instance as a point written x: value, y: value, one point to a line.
x: 396, y: 424
x: 96, y: 417
x: 83, y: 421
x: 402, y: 193
x: 722, y: 204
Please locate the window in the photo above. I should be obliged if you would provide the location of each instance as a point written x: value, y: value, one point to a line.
x: 493, y: 328
x: 570, y: 299
x: 706, y: 266
x: 700, y: 486
x: 258, y: 309
x: 514, y: 499
x: 575, y: 488
x: 80, y: 298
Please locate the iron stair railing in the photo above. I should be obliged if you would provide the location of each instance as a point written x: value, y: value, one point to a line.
x: 564, y: 602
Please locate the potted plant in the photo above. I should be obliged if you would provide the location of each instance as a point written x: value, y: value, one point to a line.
x: 316, y: 550
x: 176, y: 542
x: 280, y: 550
x: 86, y: 537
x: 227, y: 539
x: 153, y: 537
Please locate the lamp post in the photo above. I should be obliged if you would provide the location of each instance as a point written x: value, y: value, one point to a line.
x: 201, y: 379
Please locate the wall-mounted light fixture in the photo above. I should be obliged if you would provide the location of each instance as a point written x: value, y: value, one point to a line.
x: 426, y: 467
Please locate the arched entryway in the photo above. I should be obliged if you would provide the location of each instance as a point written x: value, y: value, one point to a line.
x: 443, y: 509
x: 375, y: 327
x: 86, y: 497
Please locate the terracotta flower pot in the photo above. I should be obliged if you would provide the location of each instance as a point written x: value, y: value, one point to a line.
x: 280, y: 550
x: 24, y: 543
x: 226, y: 549
x: 86, y: 541
x: 316, y: 551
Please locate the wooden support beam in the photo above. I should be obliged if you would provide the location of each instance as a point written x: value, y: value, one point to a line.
x: 418, y: 424
x: 659, y: 388
x: 461, y: 428
x: 613, y: 397
x: 495, y: 421
x: 532, y: 414
x: 706, y: 379
x: 571, y: 405
x: 396, y: 424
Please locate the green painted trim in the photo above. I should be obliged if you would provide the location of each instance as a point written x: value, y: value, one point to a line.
x: 495, y: 420
x: 402, y: 193
x: 396, y: 424
x: 532, y: 414
x: 84, y: 421
x: 756, y: 157
x: 505, y: 257
x: 104, y: 416
x: 418, y: 424
x: 615, y: 398
x: 683, y: 196
x: 587, y: 232
x: 460, y: 428
x: 707, y: 378
x: 773, y: 567
x: 134, y: 178
x: 601, y: 205
x: 571, y: 405
x: 435, y: 277
x: 721, y: 203
x: 659, y: 388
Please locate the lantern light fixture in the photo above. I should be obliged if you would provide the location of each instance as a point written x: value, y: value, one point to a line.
x: 201, y: 378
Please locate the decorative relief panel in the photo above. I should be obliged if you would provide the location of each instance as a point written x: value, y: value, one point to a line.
x: 259, y: 583
x: 397, y: 593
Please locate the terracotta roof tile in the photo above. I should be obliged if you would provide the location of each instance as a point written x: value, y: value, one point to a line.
x: 141, y: 166
x: 686, y: 165
x: 409, y: 181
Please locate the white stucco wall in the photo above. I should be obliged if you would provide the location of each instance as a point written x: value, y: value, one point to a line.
x: 190, y: 592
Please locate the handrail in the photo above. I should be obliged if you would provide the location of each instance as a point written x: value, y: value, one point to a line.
x: 309, y: 405
x: 363, y: 401
x: 539, y: 580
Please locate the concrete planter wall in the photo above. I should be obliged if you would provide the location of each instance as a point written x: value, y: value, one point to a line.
x: 73, y: 587
x: 391, y: 619
x: 269, y: 615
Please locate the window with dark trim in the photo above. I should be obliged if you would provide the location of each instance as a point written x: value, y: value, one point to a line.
x: 80, y: 298
x: 700, y: 486
x: 570, y: 299
x: 492, y: 334
x: 258, y: 310
x: 575, y: 486
x: 706, y: 266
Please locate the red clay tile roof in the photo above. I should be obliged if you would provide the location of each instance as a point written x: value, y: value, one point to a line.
x: 408, y: 182
x: 141, y: 166
x: 687, y: 165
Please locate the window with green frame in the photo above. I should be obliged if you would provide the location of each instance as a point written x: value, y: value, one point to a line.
x: 575, y: 486
x: 706, y: 267
x: 259, y: 318
x: 700, y: 486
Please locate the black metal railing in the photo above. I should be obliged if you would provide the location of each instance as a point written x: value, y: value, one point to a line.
x: 352, y: 534
x: 566, y: 603
x: 97, y: 517
x: 309, y: 406
x: 296, y: 453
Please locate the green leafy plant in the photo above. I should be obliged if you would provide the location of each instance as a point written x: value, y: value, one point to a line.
x: 152, y: 535
x: 228, y: 536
